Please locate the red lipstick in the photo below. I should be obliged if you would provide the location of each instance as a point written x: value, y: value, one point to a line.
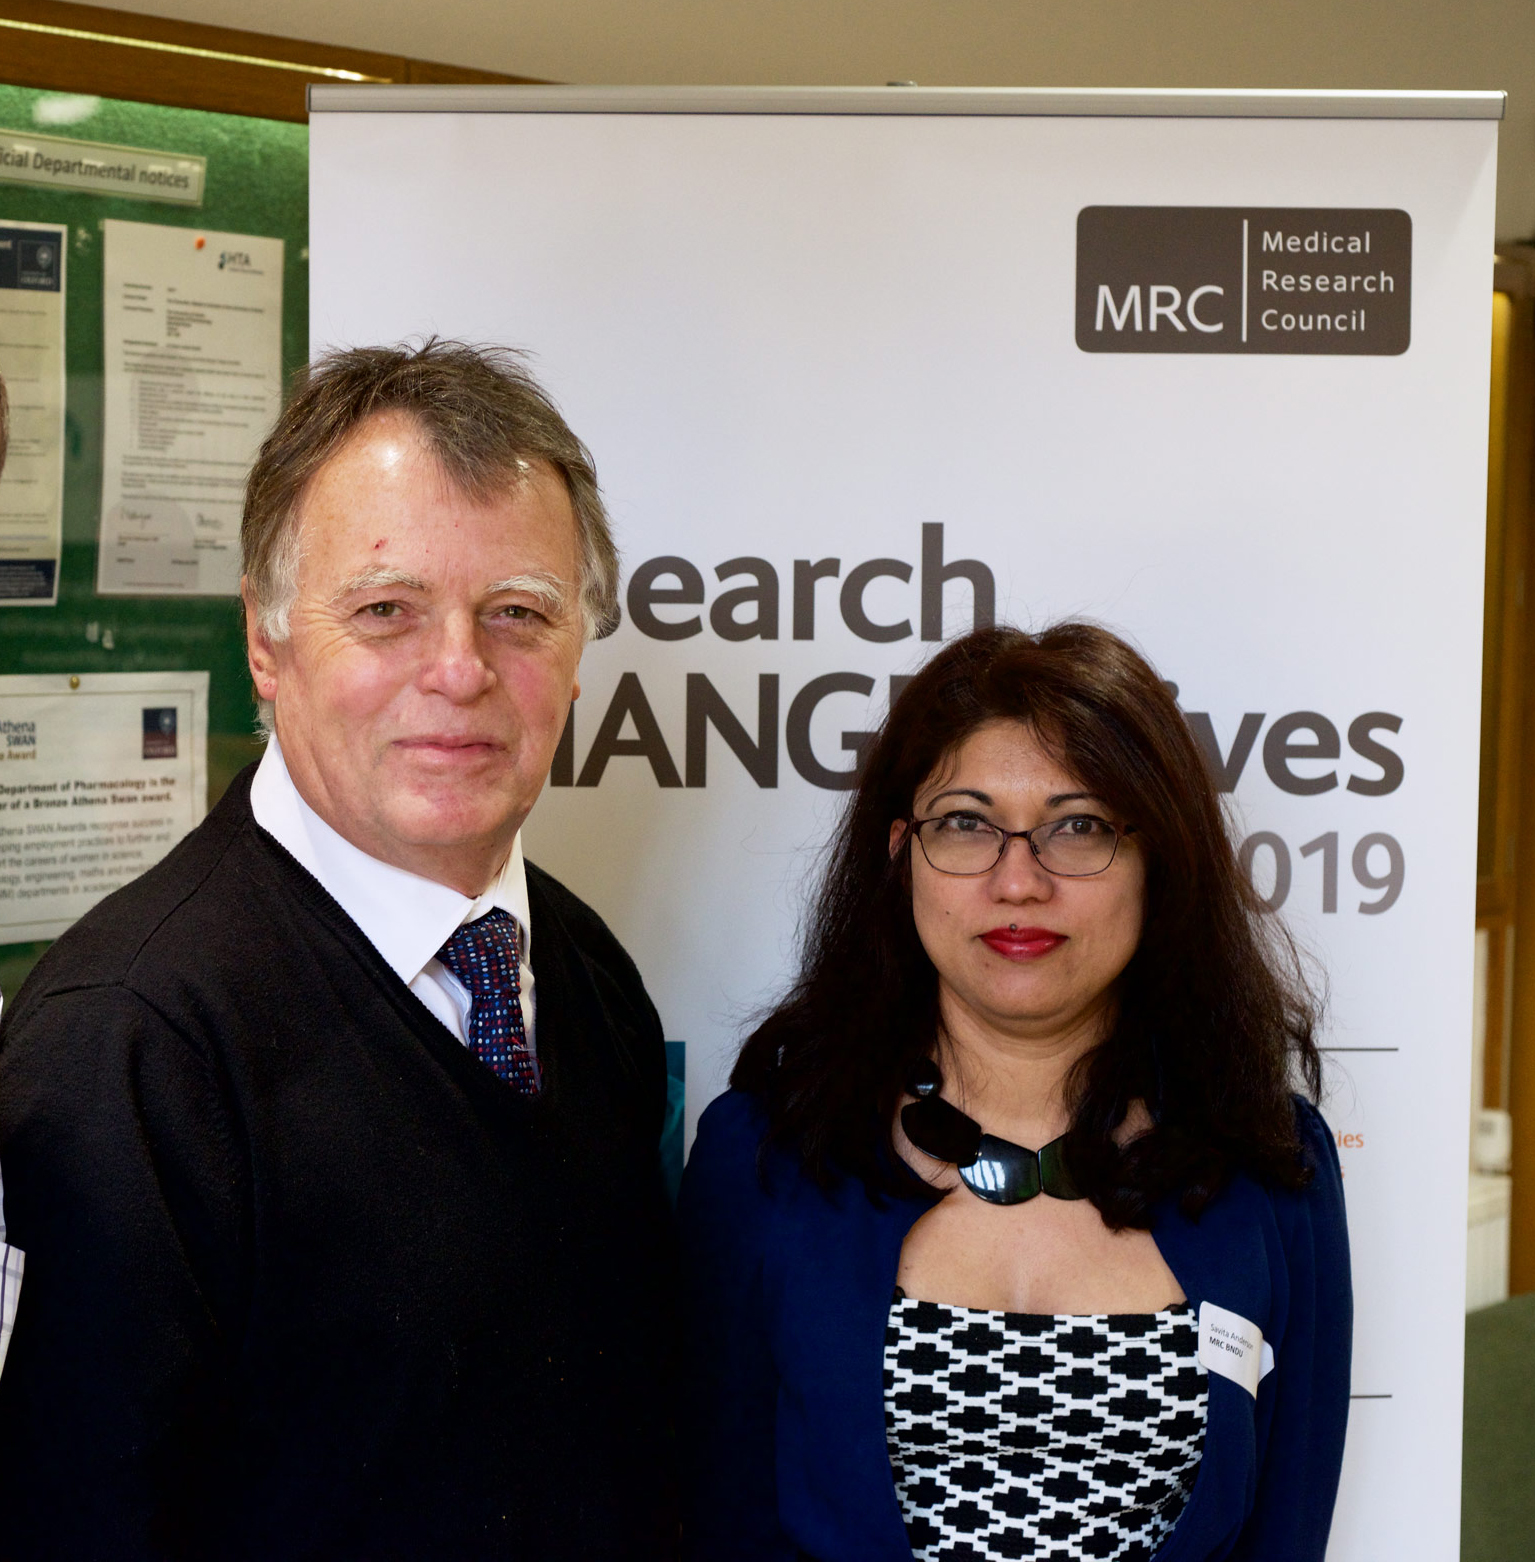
x: 1022, y: 943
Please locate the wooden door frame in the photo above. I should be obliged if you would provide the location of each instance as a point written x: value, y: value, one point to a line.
x: 99, y: 52
x: 1506, y: 902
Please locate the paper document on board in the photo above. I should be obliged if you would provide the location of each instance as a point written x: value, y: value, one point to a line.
x: 193, y: 349
x: 100, y: 776
x: 32, y: 363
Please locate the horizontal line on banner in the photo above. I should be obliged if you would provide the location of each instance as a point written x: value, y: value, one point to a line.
x: 1372, y: 1396
x: 1170, y: 102
x: 1358, y: 1049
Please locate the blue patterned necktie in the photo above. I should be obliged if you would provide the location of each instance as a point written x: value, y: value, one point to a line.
x: 483, y: 956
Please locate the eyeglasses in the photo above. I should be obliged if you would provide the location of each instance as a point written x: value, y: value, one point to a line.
x: 967, y: 846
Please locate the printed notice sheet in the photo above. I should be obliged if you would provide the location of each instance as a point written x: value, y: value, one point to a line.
x: 193, y: 329
x: 100, y: 775
x: 32, y: 362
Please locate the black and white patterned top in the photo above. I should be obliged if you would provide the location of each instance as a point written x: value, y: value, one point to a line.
x: 1041, y: 1436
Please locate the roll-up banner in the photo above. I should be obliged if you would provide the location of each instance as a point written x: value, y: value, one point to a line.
x: 861, y: 369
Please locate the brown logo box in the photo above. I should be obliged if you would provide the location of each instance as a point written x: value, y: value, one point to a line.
x: 1228, y: 279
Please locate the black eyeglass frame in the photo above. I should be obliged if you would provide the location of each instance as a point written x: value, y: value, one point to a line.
x: 914, y: 831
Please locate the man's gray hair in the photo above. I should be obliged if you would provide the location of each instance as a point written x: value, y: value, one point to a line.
x: 484, y: 418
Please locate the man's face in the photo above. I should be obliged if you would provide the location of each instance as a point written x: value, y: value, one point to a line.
x: 432, y: 656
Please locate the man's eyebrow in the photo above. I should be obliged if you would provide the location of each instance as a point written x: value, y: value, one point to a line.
x: 372, y: 579
x: 550, y: 592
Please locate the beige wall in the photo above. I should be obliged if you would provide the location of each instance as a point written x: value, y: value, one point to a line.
x: 1463, y: 44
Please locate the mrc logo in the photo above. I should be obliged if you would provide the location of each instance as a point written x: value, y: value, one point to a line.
x: 1162, y: 300
x: 1225, y: 279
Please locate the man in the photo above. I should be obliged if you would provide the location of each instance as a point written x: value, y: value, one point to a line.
x: 345, y: 1237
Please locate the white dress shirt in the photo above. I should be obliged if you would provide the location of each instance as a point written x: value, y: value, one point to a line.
x: 405, y: 917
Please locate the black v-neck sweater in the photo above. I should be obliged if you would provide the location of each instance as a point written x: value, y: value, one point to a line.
x: 304, y: 1279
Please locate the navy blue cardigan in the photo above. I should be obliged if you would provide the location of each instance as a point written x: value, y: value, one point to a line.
x: 788, y: 1290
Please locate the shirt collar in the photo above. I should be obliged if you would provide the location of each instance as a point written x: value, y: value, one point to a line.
x: 405, y: 917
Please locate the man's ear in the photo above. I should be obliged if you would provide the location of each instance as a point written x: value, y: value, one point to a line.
x: 259, y: 652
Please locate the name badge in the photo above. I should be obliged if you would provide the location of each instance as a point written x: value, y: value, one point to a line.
x: 1233, y: 1347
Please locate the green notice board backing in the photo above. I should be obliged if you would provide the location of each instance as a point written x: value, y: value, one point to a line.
x: 257, y: 183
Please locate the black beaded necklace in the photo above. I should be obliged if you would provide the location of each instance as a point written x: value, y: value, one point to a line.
x: 993, y: 1169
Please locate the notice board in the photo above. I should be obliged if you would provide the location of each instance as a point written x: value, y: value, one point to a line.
x: 214, y: 175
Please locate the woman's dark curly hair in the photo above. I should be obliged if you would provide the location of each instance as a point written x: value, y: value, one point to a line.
x: 1214, y: 1024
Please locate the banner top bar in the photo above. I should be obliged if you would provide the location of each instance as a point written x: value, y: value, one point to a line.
x: 1170, y: 102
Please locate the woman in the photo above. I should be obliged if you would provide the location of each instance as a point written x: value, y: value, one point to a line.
x: 1010, y: 1239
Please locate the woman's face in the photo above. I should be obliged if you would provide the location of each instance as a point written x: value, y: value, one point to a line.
x: 1019, y: 950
